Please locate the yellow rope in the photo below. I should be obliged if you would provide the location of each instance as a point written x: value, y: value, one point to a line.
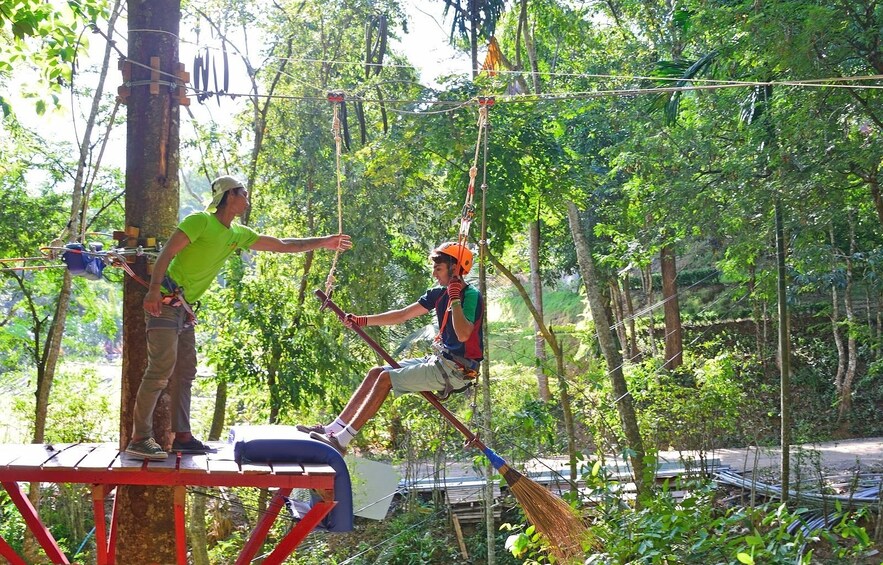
x: 335, y: 129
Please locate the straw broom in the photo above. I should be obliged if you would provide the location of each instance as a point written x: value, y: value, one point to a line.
x: 553, y: 518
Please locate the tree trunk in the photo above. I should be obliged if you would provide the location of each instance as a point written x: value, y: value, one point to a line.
x: 851, y: 349
x: 531, y: 48
x: 784, y: 353
x: 47, y: 361
x: 146, y: 519
x: 674, y: 348
x: 537, y: 297
x: 624, y: 403
x: 647, y: 280
x: 553, y: 345
x: 618, y: 317
x: 218, y: 413
x: 567, y: 412
x: 630, y: 312
x: 874, y: 184
x: 835, y: 322
x: 879, y: 334
x: 757, y: 315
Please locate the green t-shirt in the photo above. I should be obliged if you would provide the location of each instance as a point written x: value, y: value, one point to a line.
x: 196, y: 266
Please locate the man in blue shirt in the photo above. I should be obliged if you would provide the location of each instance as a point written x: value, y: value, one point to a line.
x: 458, y: 347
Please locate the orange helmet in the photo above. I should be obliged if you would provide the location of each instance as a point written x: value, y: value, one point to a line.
x: 461, y: 254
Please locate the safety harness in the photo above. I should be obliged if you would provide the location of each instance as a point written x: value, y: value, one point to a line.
x: 468, y: 367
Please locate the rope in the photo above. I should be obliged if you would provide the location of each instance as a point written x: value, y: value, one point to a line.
x: 336, y: 98
x: 468, y: 212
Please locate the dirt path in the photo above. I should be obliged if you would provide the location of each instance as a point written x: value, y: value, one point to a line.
x: 863, y: 455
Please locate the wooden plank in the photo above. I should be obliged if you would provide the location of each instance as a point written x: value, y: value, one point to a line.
x: 311, y: 469
x: 31, y: 455
x: 288, y: 469
x: 70, y: 456
x: 225, y: 466
x: 104, y: 456
x: 256, y: 469
x: 193, y: 464
x: 8, y: 453
x: 166, y: 465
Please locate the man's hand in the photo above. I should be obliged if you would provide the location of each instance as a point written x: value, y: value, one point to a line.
x: 339, y: 242
x: 352, y: 320
x: 455, y: 289
x: 153, y: 301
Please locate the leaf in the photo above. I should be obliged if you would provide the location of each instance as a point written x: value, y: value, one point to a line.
x: 745, y: 558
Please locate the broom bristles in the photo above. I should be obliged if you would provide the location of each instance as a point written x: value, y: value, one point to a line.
x: 552, y: 517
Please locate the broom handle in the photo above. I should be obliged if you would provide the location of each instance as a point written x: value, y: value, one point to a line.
x: 471, y: 438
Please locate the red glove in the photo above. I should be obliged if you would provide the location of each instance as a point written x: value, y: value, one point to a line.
x: 455, y: 289
x: 353, y: 320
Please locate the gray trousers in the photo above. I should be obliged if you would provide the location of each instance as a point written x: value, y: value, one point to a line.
x: 171, y: 356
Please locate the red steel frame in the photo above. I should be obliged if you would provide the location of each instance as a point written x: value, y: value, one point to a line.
x: 105, y: 468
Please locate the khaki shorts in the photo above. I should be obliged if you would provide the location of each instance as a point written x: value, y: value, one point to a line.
x: 424, y: 375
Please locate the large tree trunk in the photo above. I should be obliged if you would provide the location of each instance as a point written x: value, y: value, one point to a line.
x: 146, y: 520
x: 536, y: 282
x: 674, y: 348
x: 624, y: 403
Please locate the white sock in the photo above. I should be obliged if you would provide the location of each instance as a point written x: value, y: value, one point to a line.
x: 335, y: 427
x: 345, y: 435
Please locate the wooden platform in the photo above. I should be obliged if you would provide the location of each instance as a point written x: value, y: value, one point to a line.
x: 104, y: 467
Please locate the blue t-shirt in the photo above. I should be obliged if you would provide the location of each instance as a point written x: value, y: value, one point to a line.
x: 473, y: 308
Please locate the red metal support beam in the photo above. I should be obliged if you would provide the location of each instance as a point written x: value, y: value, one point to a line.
x: 99, y: 493
x: 259, y: 534
x: 180, y: 525
x: 114, y: 528
x: 300, y: 531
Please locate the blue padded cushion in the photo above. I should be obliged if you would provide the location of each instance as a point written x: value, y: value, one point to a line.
x: 285, y: 444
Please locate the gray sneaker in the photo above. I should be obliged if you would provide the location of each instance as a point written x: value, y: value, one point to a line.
x: 146, y: 449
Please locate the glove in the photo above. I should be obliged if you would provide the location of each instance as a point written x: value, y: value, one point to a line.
x: 455, y: 289
x: 353, y: 320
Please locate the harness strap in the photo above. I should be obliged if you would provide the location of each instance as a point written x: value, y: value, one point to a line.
x: 175, y: 297
x: 449, y: 388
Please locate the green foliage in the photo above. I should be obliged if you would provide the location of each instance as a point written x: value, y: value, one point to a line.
x: 694, y: 530
x: 47, y: 35
x: 12, y: 525
x: 80, y: 408
x: 695, y: 407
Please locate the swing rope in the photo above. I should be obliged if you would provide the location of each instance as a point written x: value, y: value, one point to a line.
x: 468, y: 212
x: 336, y: 99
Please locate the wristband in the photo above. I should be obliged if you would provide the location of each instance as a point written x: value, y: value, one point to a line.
x: 360, y: 321
x: 454, y: 303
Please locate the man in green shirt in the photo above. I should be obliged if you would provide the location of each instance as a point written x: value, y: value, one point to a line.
x: 184, y: 270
